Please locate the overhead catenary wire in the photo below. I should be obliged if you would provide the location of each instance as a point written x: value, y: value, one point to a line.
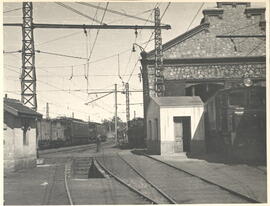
x: 169, y: 3
x: 77, y: 65
x: 78, y: 12
x: 195, y: 16
x: 92, y: 49
x: 167, y: 7
x: 57, y: 54
x: 11, y: 10
x: 58, y: 38
x: 137, y: 14
x: 113, y: 11
x: 99, y: 98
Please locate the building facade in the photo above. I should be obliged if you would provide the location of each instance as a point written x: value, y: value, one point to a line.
x: 175, y: 125
x: 20, y: 148
x: 227, y: 46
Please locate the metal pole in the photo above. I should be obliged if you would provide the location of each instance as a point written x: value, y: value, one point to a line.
x: 127, y: 109
x: 127, y: 103
x: 28, y: 75
x: 115, y: 116
x: 47, y: 111
x: 159, y: 79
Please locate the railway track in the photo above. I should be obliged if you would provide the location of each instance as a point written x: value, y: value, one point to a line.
x: 117, y: 166
x: 109, y: 189
x: 183, y: 186
x: 120, y: 180
x: 166, y: 196
x: 236, y: 194
x: 57, y: 191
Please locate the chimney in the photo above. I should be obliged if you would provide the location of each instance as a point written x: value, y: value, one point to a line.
x: 6, y: 96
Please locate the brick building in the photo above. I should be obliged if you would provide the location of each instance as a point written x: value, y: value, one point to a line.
x: 228, y: 46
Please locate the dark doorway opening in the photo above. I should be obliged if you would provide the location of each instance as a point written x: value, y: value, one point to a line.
x: 182, y: 134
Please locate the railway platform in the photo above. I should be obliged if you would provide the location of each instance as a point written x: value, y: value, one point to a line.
x: 250, y: 181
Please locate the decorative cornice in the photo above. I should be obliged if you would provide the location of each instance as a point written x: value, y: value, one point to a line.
x: 233, y: 4
x: 213, y: 12
x: 254, y: 11
x: 222, y: 60
x: 180, y: 38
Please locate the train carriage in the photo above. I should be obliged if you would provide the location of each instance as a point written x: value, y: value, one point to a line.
x: 236, y: 122
x: 64, y: 131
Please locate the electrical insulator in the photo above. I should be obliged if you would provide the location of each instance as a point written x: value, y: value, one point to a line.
x: 136, y: 33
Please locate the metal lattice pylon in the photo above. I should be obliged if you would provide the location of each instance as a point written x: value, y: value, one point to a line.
x: 28, y: 75
x: 159, y: 79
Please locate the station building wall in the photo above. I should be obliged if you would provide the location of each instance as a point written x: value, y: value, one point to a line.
x: 17, y: 153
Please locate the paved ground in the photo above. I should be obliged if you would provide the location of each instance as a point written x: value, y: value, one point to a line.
x: 30, y: 187
x: 37, y: 186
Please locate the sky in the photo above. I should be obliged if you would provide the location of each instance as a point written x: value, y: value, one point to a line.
x: 61, y: 80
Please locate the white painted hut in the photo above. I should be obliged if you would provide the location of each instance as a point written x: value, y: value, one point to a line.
x: 175, y: 125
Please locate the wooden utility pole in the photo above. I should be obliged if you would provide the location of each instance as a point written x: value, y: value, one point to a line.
x: 115, y: 116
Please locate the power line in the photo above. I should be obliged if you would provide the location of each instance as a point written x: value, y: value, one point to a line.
x: 99, y: 98
x: 58, y: 38
x: 149, y: 40
x: 90, y: 62
x: 12, y: 10
x: 65, y: 76
x: 195, y: 16
x: 146, y: 11
x: 113, y: 11
x: 45, y: 52
x: 131, y: 52
x: 77, y: 12
x: 11, y: 52
x: 92, y: 49
x: 57, y: 54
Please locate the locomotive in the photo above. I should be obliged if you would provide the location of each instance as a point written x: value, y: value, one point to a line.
x: 64, y: 131
x: 136, y: 136
x: 235, y: 121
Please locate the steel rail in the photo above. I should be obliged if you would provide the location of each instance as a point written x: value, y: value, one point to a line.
x: 123, y: 182
x: 170, y: 199
x: 205, y: 180
x: 67, y: 172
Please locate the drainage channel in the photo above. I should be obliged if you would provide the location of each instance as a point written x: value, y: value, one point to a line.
x: 91, y: 183
x: 86, y: 168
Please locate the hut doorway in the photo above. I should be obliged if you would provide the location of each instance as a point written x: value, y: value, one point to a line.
x: 182, y: 134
